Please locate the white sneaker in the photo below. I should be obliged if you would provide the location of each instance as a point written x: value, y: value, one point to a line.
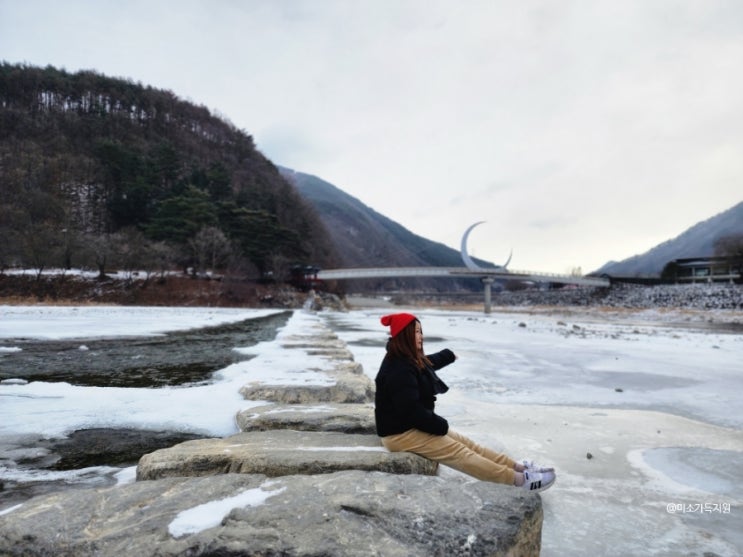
x: 534, y: 467
x: 538, y: 481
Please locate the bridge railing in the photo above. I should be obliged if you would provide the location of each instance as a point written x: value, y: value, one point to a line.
x: 382, y: 272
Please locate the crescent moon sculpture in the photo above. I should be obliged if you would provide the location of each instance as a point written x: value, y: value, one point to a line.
x: 468, y: 262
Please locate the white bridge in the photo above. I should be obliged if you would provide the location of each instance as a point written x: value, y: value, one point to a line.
x: 458, y: 272
x: 487, y: 275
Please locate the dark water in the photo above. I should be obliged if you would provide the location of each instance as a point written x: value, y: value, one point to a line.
x: 28, y: 463
x: 172, y: 359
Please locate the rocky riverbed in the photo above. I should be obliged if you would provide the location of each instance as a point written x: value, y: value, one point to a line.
x: 688, y: 296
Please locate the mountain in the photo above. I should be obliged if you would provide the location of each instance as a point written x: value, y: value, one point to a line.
x: 697, y: 241
x: 364, y: 238
x: 104, y: 172
x: 101, y: 172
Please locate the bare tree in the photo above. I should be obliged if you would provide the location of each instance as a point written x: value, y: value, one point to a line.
x: 39, y: 247
x: 130, y: 247
x: 8, y: 248
x: 70, y: 247
x: 100, y: 252
x: 211, y: 249
x: 280, y: 266
x: 731, y: 247
x: 161, y: 257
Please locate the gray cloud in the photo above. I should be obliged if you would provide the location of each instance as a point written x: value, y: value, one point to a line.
x: 553, y: 121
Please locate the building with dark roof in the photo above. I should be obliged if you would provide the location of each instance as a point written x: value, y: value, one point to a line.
x: 703, y: 269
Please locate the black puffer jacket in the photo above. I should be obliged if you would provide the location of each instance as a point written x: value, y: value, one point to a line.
x: 405, y: 396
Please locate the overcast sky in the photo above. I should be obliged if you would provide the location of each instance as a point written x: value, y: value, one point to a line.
x: 580, y: 131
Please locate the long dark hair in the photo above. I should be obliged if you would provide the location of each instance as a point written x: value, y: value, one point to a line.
x: 402, y: 345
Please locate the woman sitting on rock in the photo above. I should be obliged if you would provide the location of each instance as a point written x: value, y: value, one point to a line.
x: 407, y: 386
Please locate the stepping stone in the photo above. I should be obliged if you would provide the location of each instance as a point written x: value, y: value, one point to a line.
x: 344, y: 418
x: 346, y: 383
x: 280, y: 453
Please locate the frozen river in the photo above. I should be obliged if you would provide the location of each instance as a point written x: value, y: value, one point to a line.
x: 641, y: 414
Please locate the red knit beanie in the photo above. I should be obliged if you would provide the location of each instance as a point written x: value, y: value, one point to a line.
x: 397, y: 321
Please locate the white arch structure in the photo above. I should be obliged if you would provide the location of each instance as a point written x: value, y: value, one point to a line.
x: 468, y: 262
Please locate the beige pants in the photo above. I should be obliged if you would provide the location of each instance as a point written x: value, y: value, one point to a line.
x: 456, y: 451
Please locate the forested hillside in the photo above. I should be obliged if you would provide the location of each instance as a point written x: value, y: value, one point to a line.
x: 99, y: 172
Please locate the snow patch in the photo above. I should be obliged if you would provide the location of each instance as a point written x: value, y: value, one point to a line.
x: 211, y: 514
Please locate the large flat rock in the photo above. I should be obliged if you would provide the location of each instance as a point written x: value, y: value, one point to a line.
x: 345, y: 514
x: 280, y: 453
x: 344, y: 383
x: 344, y: 418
